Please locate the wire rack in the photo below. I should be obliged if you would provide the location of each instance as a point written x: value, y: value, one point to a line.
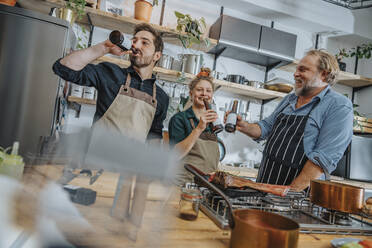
x: 352, y: 4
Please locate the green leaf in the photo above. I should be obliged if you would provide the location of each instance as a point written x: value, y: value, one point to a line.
x: 179, y: 15
x: 195, y: 40
x: 202, y: 21
x: 196, y: 34
x: 207, y: 42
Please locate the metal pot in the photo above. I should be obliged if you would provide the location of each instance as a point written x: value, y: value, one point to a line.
x: 254, y: 228
x: 337, y: 196
x: 165, y: 61
x: 239, y: 79
x: 191, y: 63
x: 256, y: 84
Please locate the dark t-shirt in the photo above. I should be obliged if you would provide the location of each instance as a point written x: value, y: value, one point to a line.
x: 180, y: 127
x: 107, y: 79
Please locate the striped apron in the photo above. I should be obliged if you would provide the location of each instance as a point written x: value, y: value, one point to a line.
x: 284, y: 155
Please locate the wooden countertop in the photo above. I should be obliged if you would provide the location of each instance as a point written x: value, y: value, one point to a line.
x: 161, y: 225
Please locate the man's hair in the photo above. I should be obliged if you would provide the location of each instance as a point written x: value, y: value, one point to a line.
x: 326, y: 62
x: 158, y: 41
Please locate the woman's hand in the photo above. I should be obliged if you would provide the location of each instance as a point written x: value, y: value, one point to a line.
x: 240, y: 124
x: 207, y: 117
x: 113, y: 49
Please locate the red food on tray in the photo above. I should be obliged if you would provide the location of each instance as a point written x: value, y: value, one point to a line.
x: 227, y: 180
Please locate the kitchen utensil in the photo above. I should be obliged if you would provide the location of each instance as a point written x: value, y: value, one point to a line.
x: 281, y: 87
x: 96, y: 176
x: 254, y: 228
x: 165, y: 61
x: 236, y: 79
x: 217, y: 75
x: 67, y: 176
x: 256, y: 84
x: 337, y: 196
x: 191, y: 63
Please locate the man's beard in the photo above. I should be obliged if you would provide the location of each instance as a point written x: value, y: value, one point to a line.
x: 307, y: 87
x: 140, y: 62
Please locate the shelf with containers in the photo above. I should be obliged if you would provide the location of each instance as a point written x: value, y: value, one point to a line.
x: 112, y: 21
x: 174, y: 76
x: 126, y: 24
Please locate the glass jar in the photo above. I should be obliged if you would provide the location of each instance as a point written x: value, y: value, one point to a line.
x: 189, y: 203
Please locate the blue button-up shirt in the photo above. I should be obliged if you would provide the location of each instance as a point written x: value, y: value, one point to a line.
x: 328, y: 130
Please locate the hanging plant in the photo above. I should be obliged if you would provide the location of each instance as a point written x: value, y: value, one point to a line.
x: 77, y: 6
x: 192, y: 30
x: 363, y: 51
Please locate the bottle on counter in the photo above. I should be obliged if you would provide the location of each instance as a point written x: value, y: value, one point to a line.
x: 118, y: 39
x: 231, y: 119
x: 216, y: 125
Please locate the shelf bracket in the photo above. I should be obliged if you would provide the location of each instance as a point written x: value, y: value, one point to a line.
x: 356, y: 89
x: 162, y: 13
x: 216, y: 57
x: 269, y: 68
x: 263, y: 103
x: 91, y: 27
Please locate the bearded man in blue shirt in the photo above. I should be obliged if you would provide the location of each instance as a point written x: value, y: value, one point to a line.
x: 309, y: 131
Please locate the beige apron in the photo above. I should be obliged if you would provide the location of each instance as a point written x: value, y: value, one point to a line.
x: 204, y: 155
x: 131, y: 114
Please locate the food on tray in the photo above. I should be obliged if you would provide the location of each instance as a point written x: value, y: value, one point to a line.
x: 367, y: 243
x: 227, y: 180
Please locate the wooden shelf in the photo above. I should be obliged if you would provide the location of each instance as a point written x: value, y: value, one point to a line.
x: 81, y: 100
x: 344, y: 78
x: 111, y: 21
x: 173, y: 76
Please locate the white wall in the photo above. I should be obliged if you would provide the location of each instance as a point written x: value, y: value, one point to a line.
x: 240, y: 148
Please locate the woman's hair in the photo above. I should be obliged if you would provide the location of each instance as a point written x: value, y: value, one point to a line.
x: 200, y: 77
x: 326, y: 62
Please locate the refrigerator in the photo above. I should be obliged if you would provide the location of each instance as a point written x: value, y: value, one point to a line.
x: 30, y: 42
x: 356, y: 164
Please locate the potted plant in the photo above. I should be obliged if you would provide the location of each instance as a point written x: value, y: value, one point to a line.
x: 73, y: 9
x: 363, y: 51
x: 143, y: 9
x: 339, y: 56
x: 191, y: 30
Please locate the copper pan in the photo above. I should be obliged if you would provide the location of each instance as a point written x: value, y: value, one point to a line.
x: 337, y: 196
x: 252, y: 228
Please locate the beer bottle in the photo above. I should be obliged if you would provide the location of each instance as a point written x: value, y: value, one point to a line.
x: 118, y: 39
x: 216, y: 126
x: 230, y: 125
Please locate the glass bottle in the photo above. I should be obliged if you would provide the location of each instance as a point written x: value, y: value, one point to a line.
x: 231, y: 119
x: 217, y: 124
x: 118, y: 39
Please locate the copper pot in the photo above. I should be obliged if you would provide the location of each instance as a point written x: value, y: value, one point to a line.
x: 260, y: 229
x: 254, y: 228
x: 337, y: 196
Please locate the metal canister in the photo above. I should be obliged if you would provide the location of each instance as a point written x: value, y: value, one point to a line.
x: 192, y: 63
